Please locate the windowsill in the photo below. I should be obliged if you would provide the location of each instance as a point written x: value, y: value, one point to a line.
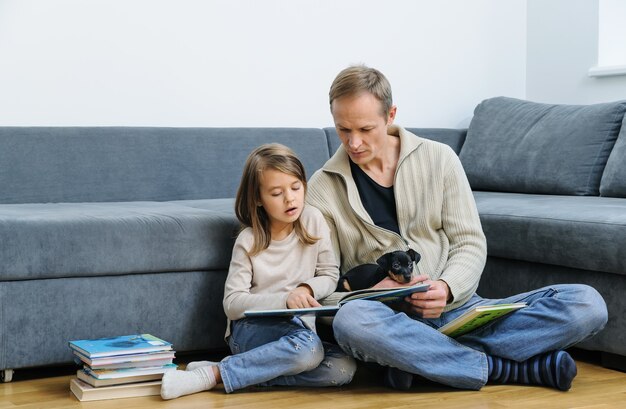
x: 607, y: 71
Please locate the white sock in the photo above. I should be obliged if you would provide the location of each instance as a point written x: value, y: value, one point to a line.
x: 197, y: 364
x: 179, y: 383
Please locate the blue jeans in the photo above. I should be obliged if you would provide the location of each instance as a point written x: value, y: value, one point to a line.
x: 556, y: 317
x: 282, y: 351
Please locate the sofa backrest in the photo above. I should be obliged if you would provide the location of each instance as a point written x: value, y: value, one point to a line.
x: 105, y: 164
x: 452, y: 137
x: 613, y: 182
x: 527, y: 147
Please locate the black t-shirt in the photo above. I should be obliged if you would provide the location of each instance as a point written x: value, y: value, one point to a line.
x: 379, y: 201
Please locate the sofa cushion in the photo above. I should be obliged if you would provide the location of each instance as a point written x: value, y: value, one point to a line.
x: 113, y: 164
x: 614, y: 177
x: 183, y: 308
x: 580, y: 232
x: 454, y: 138
x: 91, y: 239
x: 528, y: 147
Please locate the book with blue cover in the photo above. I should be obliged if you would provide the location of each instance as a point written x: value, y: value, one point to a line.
x: 333, y: 302
x: 124, y: 359
x: 121, y: 345
x: 132, y: 364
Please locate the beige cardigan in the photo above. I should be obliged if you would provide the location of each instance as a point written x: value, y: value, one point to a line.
x: 437, y: 214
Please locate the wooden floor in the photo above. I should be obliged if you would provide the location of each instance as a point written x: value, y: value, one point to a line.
x: 594, y: 387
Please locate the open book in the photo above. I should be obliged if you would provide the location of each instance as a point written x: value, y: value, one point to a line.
x: 477, y: 317
x: 333, y: 302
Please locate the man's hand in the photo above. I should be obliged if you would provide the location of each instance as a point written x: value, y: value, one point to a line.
x: 429, y: 304
x: 302, y: 297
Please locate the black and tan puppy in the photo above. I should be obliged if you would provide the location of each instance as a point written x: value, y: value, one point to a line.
x: 396, y: 264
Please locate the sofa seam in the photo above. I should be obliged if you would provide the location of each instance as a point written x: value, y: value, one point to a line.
x: 328, y: 144
x: 3, y: 331
x: 560, y: 220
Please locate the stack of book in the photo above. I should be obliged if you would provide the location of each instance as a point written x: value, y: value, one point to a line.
x: 120, y: 367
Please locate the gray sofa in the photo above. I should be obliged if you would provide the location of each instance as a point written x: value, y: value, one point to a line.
x: 110, y: 231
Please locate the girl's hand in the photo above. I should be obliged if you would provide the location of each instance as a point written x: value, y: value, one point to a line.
x: 302, y: 297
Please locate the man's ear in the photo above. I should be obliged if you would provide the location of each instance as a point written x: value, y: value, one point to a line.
x: 384, y: 261
x: 393, y: 110
x: 415, y: 256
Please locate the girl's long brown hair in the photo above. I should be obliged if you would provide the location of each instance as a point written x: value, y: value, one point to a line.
x: 250, y: 214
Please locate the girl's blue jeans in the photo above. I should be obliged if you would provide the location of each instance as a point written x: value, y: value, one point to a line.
x: 556, y: 317
x: 272, y: 351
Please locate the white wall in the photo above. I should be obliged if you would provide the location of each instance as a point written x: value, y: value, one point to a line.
x: 249, y: 62
x: 611, y: 33
x: 562, y: 46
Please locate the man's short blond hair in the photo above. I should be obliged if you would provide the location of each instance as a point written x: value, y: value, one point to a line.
x: 360, y: 78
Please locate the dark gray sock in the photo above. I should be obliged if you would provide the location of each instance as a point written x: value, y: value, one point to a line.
x: 556, y: 369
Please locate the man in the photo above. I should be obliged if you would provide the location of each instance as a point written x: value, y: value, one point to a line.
x: 387, y: 189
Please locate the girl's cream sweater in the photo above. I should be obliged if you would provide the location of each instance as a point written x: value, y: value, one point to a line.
x: 264, y: 281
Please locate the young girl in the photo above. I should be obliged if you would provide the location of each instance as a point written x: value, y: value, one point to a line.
x: 282, y: 259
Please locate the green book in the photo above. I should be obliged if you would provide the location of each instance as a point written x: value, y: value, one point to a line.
x: 477, y: 317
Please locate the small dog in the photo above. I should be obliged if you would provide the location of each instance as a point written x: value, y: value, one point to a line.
x: 396, y: 264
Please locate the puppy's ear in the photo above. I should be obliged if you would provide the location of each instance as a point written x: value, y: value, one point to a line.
x: 415, y: 256
x: 384, y: 261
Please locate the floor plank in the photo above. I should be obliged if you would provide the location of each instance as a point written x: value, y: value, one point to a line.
x: 595, y: 387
